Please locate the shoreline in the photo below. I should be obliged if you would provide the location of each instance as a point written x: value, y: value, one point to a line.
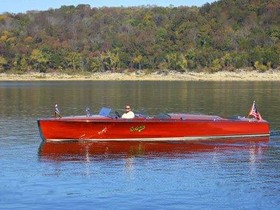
x: 159, y: 76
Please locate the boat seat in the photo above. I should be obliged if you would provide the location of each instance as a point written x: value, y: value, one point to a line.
x: 163, y: 116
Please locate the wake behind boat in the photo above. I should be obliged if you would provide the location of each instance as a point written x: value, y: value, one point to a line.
x: 107, y: 126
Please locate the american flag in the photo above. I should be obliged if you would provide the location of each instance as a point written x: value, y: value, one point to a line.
x: 254, y: 112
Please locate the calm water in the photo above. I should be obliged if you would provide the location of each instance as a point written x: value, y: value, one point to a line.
x: 200, y: 175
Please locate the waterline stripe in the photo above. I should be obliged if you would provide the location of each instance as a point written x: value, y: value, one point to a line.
x: 165, y: 138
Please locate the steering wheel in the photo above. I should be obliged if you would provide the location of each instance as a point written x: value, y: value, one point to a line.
x: 118, y: 114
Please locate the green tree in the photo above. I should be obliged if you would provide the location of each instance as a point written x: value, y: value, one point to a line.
x: 137, y: 61
x: 3, y: 62
x: 39, y: 59
x: 109, y: 61
x: 177, y: 61
x: 74, y: 60
x: 216, y: 66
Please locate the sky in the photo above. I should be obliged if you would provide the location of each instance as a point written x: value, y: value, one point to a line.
x: 21, y: 6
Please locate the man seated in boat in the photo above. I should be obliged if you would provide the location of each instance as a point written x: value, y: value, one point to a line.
x: 128, y: 114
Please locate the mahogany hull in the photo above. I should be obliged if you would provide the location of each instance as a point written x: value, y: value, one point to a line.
x: 110, y: 129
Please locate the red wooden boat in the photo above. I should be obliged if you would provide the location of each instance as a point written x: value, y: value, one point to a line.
x: 164, y: 127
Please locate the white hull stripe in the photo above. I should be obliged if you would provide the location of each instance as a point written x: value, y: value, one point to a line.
x: 167, y: 139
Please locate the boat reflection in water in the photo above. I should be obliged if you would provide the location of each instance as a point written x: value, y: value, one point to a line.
x: 84, y: 151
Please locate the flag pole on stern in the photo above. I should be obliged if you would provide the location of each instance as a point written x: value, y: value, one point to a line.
x: 56, y: 111
x: 254, y: 112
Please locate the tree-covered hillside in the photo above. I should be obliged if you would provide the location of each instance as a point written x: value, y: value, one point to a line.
x: 224, y: 35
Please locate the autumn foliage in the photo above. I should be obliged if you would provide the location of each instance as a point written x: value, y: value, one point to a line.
x: 224, y: 35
